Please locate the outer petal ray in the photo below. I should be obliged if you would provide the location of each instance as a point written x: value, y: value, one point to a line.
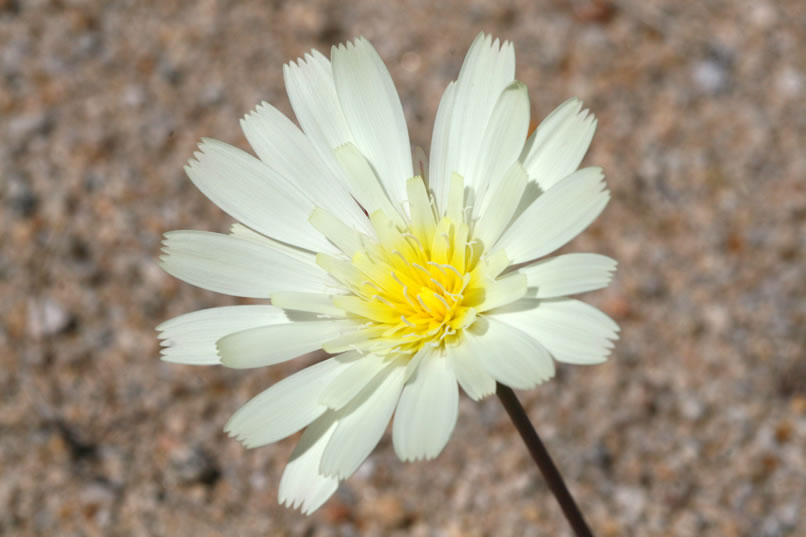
x: 302, y: 485
x: 191, y: 338
x: 557, y: 146
x: 238, y: 266
x: 471, y: 375
x: 269, y: 345
x: 511, y: 356
x: 362, y: 423
x: 254, y: 194
x: 572, y: 331
x: 426, y: 413
x: 286, y: 407
x: 503, y: 139
x: 556, y: 217
x: 312, y: 92
x: 285, y: 149
x: 568, y: 275
x: 489, y: 67
x: 374, y: 114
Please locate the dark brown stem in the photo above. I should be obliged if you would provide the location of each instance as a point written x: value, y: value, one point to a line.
x: 543, y: 460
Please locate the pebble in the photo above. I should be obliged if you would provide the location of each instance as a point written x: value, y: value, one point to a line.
x: 46, y: 317
x: 710, y: 75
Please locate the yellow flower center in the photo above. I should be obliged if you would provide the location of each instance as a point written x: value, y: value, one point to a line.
x: 416, y: 283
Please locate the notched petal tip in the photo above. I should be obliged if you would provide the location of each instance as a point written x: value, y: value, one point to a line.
x: 484, y: 394
x: 574, y: 102
x: 516, y: 85
x: 206, y: 142
x: 226, y: 360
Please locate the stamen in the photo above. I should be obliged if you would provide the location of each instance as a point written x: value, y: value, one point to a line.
x: 400, y: 254
x: 437, y: 265
x: 420, y: 267
x: 407, y: 297
x: 445, y: 302
x: 470, y: 245
x: 411, y: 324
x: 442, y: 287
x: 394, y: 276
x: 426, y: 308
x: 454, y: 269
x: 379, y: 298
x: 410, y: 235
x: 372, y: 284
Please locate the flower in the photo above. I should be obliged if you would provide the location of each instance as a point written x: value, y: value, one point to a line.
x: 415, y: 284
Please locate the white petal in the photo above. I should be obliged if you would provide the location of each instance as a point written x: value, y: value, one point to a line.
x: 502, y: 202
x: 312, y: 92
x: 572, y: 331
x: 471, y: 375
x: 488, y: 69
x: 238, y: 266
x: 269, y: 345
x: 502, y: 143
x: 455, y: 204
x: 243, y: 232
x: 309, y: 302
x: 191, y: 338
x: 302, y: 485
x: 421, y: 212
x: 342, y: 236
x: 511, y: 356
x: 374, y: 114
x: 362, y: 423
x: 568, y: 275
x: 365, y: 184
x: 414, y: 363
x: 351, y: 381
x: 426, y: 413
x: 438, y: 176
x: 559, y: 143
x: 503, y: 291
x: 557, y: 216
x: 286, y: 407
x: 286, y: 150
x: 254, y: 194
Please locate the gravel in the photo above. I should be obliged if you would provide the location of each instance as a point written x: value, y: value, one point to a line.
x: 695, y: 426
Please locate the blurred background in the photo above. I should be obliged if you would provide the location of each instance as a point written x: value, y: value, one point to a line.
x: 696, y: 425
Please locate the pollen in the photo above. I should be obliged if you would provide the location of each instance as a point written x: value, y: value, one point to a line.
x: 411, y: 286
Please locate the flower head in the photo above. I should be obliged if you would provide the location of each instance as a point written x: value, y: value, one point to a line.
x: 415, y: 284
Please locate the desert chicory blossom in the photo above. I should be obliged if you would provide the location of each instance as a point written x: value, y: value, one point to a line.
x: 416, y: 284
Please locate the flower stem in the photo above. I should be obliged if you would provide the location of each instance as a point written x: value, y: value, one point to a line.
x: 543, y: 460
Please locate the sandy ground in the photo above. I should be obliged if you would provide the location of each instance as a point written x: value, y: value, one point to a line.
x: 697, y: 424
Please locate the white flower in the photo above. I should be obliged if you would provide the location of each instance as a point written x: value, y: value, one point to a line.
x: 414, y: 284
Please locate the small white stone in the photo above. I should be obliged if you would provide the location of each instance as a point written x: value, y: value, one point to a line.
x: 710, y: 76
x: 632, y: 501
x: 46, y: 317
